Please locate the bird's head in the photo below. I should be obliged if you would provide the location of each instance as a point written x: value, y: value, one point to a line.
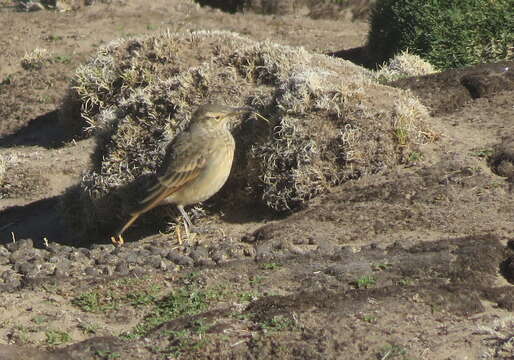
x: 214, y: 115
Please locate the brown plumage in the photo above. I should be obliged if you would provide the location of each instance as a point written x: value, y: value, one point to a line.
x: 196, y: 165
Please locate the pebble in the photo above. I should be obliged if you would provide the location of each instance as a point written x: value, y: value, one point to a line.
x: 179, y: 259
x: 20, y: 244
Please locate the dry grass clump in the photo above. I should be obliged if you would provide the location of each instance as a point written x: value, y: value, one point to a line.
x: 328, y: 120
x: 3, y: 168
x: 35, y: 59
x: 500, y: 339
x: 403, y: 65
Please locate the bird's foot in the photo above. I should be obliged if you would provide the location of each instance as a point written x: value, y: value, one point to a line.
x: 189, y: 236
x: 118, y: 240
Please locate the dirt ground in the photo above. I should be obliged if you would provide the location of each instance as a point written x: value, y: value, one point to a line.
x: 415, y: 262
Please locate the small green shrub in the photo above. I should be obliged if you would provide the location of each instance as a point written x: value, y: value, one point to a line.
x: 446, y: 33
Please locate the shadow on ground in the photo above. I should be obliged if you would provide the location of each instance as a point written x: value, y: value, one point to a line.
x: 42, y: 131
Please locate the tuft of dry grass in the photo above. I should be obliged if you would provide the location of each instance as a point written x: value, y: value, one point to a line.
x: 500, y: 338
x: 403, y: 64
x: 35, y: 59
x: 3, y: 168
x: 328, y: 121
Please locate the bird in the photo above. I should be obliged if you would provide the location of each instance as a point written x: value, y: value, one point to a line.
x: 197, y: 164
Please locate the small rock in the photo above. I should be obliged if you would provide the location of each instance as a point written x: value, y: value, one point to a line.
x: 4, y: 256
x: 76, y: 256
x: 130, y: 257
x: 142, y: 255
x: 103, y: 248
x: 47, y: 268
x: 59, y: 272
x: 4, y: 251
x: 180, y: 259
x: 108, y: 270
x: 10, y: 286
x: 8, y: 275
x: 107, y: 260
x: 219, y: 257
x: 326, y: 248
x: 155, y: 250
x: 20, y: 244
x: 138, y: 271
x: 84, y: 251
x: 263, y: 251
x: 122, y: 268
x: 205, y: 262
x: 26, y: 268
x: 199, y: 253
x: 154, y: 261
x: 92, y: 271
x: 53, y: 259
x: 250, y: 252
x: 57, y: 248
x: 26, y: 254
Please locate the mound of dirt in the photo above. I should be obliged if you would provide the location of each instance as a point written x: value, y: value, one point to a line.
x: 502, y: 160
x: 325, y: 125
x: 448, y: 91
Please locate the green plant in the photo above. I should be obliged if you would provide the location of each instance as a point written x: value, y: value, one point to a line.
x: 256, y: 280
x: 405, y: 282
x: 278, y: 323
x: 53, y: 37
x: 369, y: 318
x: 392, y: 351
x: 121, y: 292
x: 247, y: 296
x: 365, y: 282
x: 56, y: 337
x: 22, y: 333
x: 107, y: 355
x: 446, y: 33
x: 414, y: 157
x: 63, y: 59
x: 184, y: 301
x: 270, y: 266
x: 92, y: 302
x: 89, y: 328
x: 39, y: 319
x: 381, y: 266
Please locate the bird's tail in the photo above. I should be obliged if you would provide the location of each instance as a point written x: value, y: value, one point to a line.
x: 155, y: 195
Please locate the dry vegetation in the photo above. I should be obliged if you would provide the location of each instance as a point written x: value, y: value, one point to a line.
x: 3, y: 167
x: 324, y: 124
x: 403, y: 65
x: 35, y: 59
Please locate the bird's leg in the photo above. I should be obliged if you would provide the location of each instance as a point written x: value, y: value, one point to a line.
x: 178, y: 232
x: 187, y: 221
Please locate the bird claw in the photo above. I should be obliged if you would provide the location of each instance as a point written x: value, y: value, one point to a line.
x: 118, y: 240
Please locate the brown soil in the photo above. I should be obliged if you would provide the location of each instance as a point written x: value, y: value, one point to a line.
x: 414, y: 262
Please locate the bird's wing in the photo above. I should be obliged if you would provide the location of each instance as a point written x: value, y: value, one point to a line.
x: 183, y: 166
